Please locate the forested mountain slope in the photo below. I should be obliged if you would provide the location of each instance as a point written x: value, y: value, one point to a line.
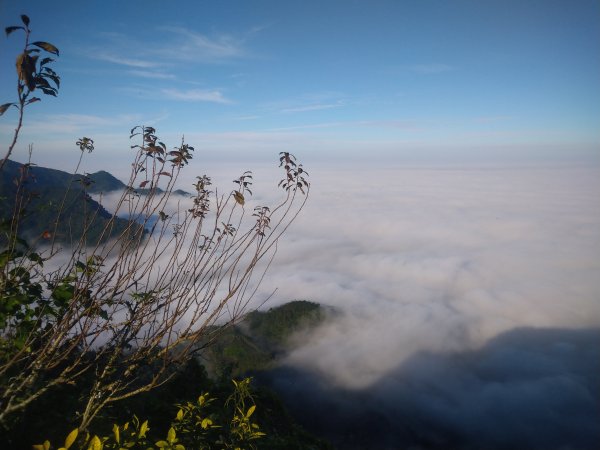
x: 40, y: 194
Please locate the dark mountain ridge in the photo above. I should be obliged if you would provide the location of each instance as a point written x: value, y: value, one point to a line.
x: 50, y: 199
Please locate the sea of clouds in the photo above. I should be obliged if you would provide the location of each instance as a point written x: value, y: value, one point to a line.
x: 468, y: 304
x: 439, y: 259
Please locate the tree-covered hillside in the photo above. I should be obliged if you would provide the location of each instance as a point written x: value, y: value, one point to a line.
x: 40, y: 193
x: 260, y: 339
x: 103, y: 181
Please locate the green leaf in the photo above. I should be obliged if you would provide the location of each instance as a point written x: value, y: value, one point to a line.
x: 143, y: 429
x: 117, y: 433
x: 63, y: 293
x: 46, y: 46
x: 9, y: 30
x: 71, y: 438
x: 44, y: 446
x: 250, y: 411
x: 95, y: 444
x: 35, y: 257
x: 171, y: 435
x: 4, y: 107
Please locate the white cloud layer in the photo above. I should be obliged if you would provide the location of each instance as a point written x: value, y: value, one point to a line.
x: 438, y: 259
x: 196, y: 95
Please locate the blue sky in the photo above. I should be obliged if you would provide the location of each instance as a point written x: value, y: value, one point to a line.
x: 428, y: 81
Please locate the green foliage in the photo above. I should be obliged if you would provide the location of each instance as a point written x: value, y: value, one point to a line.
x: 197, y: 425
x: 46, y: 419
x: 277, y: 324
x: 256, y: 342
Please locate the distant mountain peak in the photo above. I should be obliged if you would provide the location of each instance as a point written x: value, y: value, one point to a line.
x: 103, y: 181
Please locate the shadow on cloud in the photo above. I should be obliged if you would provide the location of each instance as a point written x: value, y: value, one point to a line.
x: 526, y: 388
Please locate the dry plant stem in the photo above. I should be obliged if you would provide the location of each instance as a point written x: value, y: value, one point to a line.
x: 154, y: 300
x: 21, y: 108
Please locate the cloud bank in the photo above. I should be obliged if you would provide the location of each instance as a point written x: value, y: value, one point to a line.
x: 469, y: 307
x: 439, y: 259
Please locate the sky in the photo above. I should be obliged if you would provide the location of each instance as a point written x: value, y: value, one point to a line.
x: 408, y: 81
x: 453, y: 223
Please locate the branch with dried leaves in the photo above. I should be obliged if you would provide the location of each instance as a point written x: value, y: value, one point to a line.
x: 33, y: 74
x: 131, y: 309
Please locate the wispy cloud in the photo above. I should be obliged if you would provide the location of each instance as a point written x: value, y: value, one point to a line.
x: 432, y: 68
x: 399, y: 124
x: 196, y: 95
x: 492, y: 119
x: 252, y: 117
x: 124, y: 61
x: 314, y: 107
x: 311, y: 126
x: 152, y: 74
x: 199, y: 47
x: 315, y: 101
x: 74, y: 123
x: 177, y: 44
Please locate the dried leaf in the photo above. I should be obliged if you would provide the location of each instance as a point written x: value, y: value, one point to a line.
x: 4, y: 107
x: 25, y: 70
x: 9, y: 30
x: 46, y: 46
x: 238, y: 197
